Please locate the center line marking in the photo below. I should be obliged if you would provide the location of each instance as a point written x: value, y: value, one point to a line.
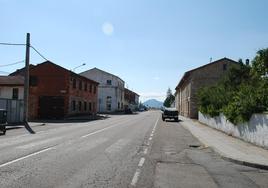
x: 145, y: 151
x: 135, y: 177
x: 141, y: 162
x: 27, y: 156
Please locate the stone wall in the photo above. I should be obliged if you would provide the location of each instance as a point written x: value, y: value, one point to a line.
x: 255, y: 131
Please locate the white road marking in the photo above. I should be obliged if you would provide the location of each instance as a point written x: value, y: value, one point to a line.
x: 141, y: 162
x: 98, y: 131
x: 145, y: 151
x: 135, y: 177
x: 150, y: 138
x: 152, y: 135
x: 155, y: 124
x: 27, y: 156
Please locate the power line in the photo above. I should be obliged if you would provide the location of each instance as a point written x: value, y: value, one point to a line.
x: 17, y: 44
x: 39, y: 53
x: 10, y: 64
x: 11, y: 44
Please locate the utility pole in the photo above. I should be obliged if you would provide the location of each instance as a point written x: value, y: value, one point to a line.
x: 26, y: 84
x: 26, y: 78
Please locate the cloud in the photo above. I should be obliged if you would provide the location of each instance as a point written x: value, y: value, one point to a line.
x: 152, y: 95
x: 107, y: 28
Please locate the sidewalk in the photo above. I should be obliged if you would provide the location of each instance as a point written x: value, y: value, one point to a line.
x: 228, y: 147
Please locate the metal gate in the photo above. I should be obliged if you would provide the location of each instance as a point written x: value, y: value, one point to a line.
x: 51, y: 107
x: 14, y: 110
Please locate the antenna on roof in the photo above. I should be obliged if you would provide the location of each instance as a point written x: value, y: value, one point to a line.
x: 210, y: 59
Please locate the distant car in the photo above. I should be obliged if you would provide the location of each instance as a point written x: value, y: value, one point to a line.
x: 141, y: 109
x: 170, y: 113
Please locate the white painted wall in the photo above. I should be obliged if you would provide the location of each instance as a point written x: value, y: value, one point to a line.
x: 255, y: 131
x: 115, y: 90
x: 6, y: 92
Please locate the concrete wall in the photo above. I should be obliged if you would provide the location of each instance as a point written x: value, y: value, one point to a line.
x: 255, y: 131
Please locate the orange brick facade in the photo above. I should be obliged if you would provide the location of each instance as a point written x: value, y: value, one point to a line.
x: 53, y: 93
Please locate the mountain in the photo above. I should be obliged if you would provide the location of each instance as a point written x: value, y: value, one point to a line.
x: 153, y: 103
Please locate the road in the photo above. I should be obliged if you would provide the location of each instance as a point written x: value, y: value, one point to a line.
x: 120, y: 151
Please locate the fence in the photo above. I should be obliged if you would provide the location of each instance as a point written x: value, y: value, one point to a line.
x: 14, y: 110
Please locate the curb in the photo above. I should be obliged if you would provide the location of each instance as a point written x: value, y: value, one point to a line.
x: 237, y: 161
x: 230, y: 159
x: 245, y: 163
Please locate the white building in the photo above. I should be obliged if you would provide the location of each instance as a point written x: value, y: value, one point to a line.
x: 11, y: 87
x: 11, y: 97
x: 110, y: 90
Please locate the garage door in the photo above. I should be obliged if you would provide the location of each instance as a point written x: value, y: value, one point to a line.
x: 51, y: 107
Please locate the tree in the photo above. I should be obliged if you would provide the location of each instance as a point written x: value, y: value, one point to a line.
x: 170, y: 98
x: 260, y: 63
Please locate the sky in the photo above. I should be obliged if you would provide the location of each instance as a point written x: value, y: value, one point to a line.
x: 147, y: 43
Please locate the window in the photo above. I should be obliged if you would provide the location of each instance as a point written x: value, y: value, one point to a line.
x: 80, y: 85
x: 85, y: 86
x: 79, y: 105
x: 108, y: 103
x: 89, y: 106
x: 33, y: 81
x: 93, y: 106
x: 109, y: 82
x: 95, y: 89
x: 85, y: 106
x: 73, y: 105
x: 74, y: 83
x: 224, y: 67
x: 90, y: 88
x: 15, y: 93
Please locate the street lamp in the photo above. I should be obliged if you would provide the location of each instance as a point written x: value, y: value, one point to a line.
x: 78, y: 67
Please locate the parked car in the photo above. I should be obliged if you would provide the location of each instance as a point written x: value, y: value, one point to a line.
x: 3, y: 120
x: 128, y: 111
x: 170, y: 113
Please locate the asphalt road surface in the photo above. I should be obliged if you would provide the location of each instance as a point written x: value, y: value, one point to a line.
x: 120, y: 151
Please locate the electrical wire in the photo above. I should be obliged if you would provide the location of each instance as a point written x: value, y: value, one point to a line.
x: 10, y: 64
x: 11, y: 44
x: 39, y: 53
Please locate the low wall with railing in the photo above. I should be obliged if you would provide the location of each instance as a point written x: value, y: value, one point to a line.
x: 255, y: 131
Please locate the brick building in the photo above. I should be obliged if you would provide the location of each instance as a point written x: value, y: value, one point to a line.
x: 56, y: 92
x: 209, y: 74
x: 131, y: 99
